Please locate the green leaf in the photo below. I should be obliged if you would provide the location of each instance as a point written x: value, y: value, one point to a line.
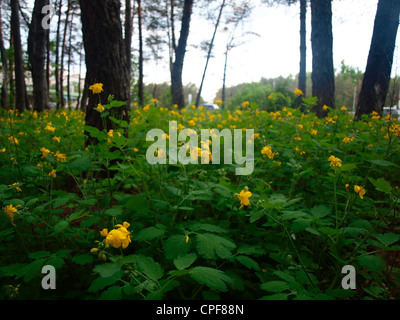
x: 80, y: 164
x: 248, y: 262
x: 112, y: 293
x: 107, y: 269
x: 175, y: 246
x: 211, y: 246
x: 388, y: 238
x: 149, y: 267
x: 212, y: 278
x: 100, y: 283
x: 114, y: 212
x: 185, y: 261
x: 39, y: 254
x: 381, y: 185
x: 383, y: 163
x: 372, y: 263
x: 320, y: 211
x: 348, y: 167
x: 275, y: 286
x: 82, y: 259
x: 148, y: 234
x: 300, y: 224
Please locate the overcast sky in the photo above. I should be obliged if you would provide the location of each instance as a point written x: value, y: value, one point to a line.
x: 276, y: 51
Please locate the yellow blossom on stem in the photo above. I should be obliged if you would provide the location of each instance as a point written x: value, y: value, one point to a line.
x: 96, y: 88
x: 335, y: 162
x: 100, y: 108
x: 52, y: 174
x: 118, y: 237
x: 244, y: 196
x: 10, y: 210
x: 360, y: 191
x: 298, y: 92
x: 45, y: 152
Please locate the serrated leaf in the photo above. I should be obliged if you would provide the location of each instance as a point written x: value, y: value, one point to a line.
x: 80, y: 164
x: 388, y: 238
x: 114, y: 212
x: 248, y: 262
x: 112, y: 293
x: 372, y: 263
x: 149, y: 267
x: 384, y: 163
x: 185, y: 261
x: 212, y: 278
x: 175, y: 246
x: 100, y: 283
x: 275, y: 286
x: 107, y: 269
x: 211, y: 246
x: 320, y: 211
x: 148, y: 234
x: 381, y: 185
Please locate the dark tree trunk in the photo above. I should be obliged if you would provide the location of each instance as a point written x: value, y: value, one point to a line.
x: 37, y: 56
x: 69, y: 62
x: 379, y: 66
x: 177, y: 66
x: 128, y: 39
x: 140, y: 84
x: 78, y: 101
x: 4, y: 62
x: 106, y: 64
x: 84, y: 100
x: 303, y: 46
x: 57, y: 68
x: 20, y: 88
x: 62, y: 99
x: 209, y: 53
x: 323, y: 78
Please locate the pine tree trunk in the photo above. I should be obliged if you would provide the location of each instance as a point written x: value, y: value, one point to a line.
x: 323, y: 78
x: 106, y: 64
x: 140, y: 84
x: 62, y: 99
x: 177, y: 66
x: 37, y: 56
x: 303, y: 46
x: 4, y: 62
x: 128, y: 40
x: 20, y: 87
x: 379, y: 66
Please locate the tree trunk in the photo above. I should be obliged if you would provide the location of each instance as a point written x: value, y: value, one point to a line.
x: 209, y: 52
x: 69, y: 62
x: 177, y: 66
x: 37, y: 56
x: 140, y: 84
x: 4, y: 62
x: 20, y: 87
x: 128, y: 40
x: 106, y: 64
x: 62, y: 99
x: 57, y: 69
x: 379, y: 66
x: 303, y: 46
x: 323, y: 78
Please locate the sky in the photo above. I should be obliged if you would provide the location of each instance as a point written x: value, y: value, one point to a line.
x: 275, y: 52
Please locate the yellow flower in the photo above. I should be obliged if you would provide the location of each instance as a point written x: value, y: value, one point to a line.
x: 10, y: 210
x: 297, y: 138
x: 45, y: 152
x: 146, y: 108
x: 187, y: 239
x: 244, y: 196
x: 298, y: 92
x: 314, y: 132
x: 60, y: 156
x: 343, y: 108
x: 218, y: 102
x: 56, y: 139
x: 3, y: 150
x: 193, y: 107
x: 96, y: 88
x: 52, y: 174
x: 325, y: 107
x: 154, y: 101
x: 18, y: 189
x: 100, y: 108
x: 118, y: 237
x: 360, y: 190
x: 267, y: 150
x: 135, y: 149
x: 335, y: 162
x: 191, y: 123
x: 13, y: 140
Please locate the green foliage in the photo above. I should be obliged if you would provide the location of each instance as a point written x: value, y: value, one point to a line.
x: 116, y: 227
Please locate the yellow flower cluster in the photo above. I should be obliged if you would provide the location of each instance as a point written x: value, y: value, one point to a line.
x: 335, y: 162
x: 10, y: 210
x: 118, y: 237
x: 96, y: 88
x: 267, y: 150
x: 348, y: 140
x: 360, y: 191
x: 244, y: 196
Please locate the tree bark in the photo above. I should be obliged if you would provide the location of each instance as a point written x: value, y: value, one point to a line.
x: 20, y: 87
x: 323, y: 78
x: 57, y: 68
x: 140, y: 84
x: 37, y: 56
x: 177, y: 66
x: 128, y: 40
x: 303, y: 46
x: 4, y: 62
x: 105, y: 56
x: 379, y: 65
x: 62, y: 99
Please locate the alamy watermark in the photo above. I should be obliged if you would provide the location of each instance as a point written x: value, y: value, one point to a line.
x: 190, y: 152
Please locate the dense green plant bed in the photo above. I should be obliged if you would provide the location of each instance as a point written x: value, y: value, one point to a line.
x: 323, y: 195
